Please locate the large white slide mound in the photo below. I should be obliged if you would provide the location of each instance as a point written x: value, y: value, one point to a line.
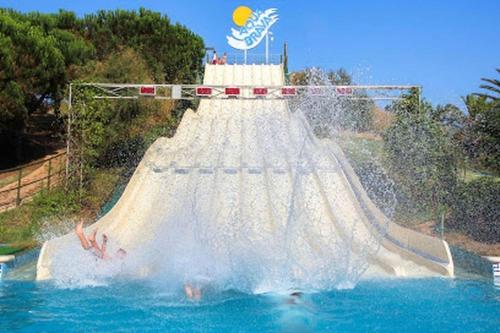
x: 244, y: 189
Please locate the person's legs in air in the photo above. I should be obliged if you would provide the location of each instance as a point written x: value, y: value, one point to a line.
x: 83, y: 240
x: 188, y: 290
x: 92, y: 237
x: 197, y: 294
x: 95, y: 245
x: 103, y: 245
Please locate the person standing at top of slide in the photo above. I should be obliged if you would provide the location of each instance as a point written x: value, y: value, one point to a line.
x: 215, y: 59
x: 224, y: 59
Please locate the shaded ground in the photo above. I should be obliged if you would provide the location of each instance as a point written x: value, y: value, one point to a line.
x: 39, y: 139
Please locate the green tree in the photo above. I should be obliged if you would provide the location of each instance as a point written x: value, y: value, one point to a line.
x: 480, y: 135
x: 492, y: 86
x: 339, y: 77
x: 476, y: 104
x: 88, y: 122
x: 173, y: 52
x: 42, y: 57
x: 335, y: 112
x: 13, y: 111
x: 126, y: 122
x: 38, y: 65
x: 420, y: 155
x: 449, y: 115
x: 41, y: 53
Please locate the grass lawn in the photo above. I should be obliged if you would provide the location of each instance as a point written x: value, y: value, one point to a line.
x: 6, y: 250
x: 471, y: 174
x: 359, y: 147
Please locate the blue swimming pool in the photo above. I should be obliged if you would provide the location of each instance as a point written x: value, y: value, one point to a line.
x: 420, y: 305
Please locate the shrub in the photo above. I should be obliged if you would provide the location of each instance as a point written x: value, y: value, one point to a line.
x: 377, y: 184
x: 421, y: 156
x: 475, y: 210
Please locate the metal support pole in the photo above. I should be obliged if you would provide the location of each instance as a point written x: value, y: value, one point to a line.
x: 267, y: 48
x: 441, y: 227
x: 419, y: 98
x: 68, y: 134
x: 285, y: 59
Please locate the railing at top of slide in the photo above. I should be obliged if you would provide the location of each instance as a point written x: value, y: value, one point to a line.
x: 249, y: 59
x: 20, y: 184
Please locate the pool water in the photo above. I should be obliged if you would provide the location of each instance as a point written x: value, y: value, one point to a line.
x: 404, y: 305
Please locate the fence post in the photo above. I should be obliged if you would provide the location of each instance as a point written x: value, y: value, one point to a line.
x: 18, y: 196
x: 48, y: 176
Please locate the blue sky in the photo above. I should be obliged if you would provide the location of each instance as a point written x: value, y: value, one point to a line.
x: 444, y: 45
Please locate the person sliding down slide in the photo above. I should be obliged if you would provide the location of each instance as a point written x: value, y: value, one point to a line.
x: 193, y: 293
x: 90, y: 243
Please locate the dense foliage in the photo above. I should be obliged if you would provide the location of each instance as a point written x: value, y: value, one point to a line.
x: 425, y: 147
x: 36, y: 57
x: 172, y: 52
x: 420, y: 154
x: 115, y: 133
x: 480, y: 136
x: 41, y: 53
x: 475, y: 210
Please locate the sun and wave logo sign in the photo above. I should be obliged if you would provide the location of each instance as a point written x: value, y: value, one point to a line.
x: 253, y: 27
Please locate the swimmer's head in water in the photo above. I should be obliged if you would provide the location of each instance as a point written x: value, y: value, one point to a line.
x: 295, y: 298
x: 121, y: 253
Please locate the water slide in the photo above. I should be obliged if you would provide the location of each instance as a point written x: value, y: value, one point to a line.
x: 245, y: 187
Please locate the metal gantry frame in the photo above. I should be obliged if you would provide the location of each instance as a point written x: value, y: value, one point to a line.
x: 190, y: 91
x: 244, y: 92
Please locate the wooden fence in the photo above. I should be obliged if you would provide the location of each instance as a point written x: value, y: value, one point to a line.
x: 20, y: 184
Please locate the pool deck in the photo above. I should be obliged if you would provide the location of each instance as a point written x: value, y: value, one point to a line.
x: 493, y: 259
x: 7, y: 258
